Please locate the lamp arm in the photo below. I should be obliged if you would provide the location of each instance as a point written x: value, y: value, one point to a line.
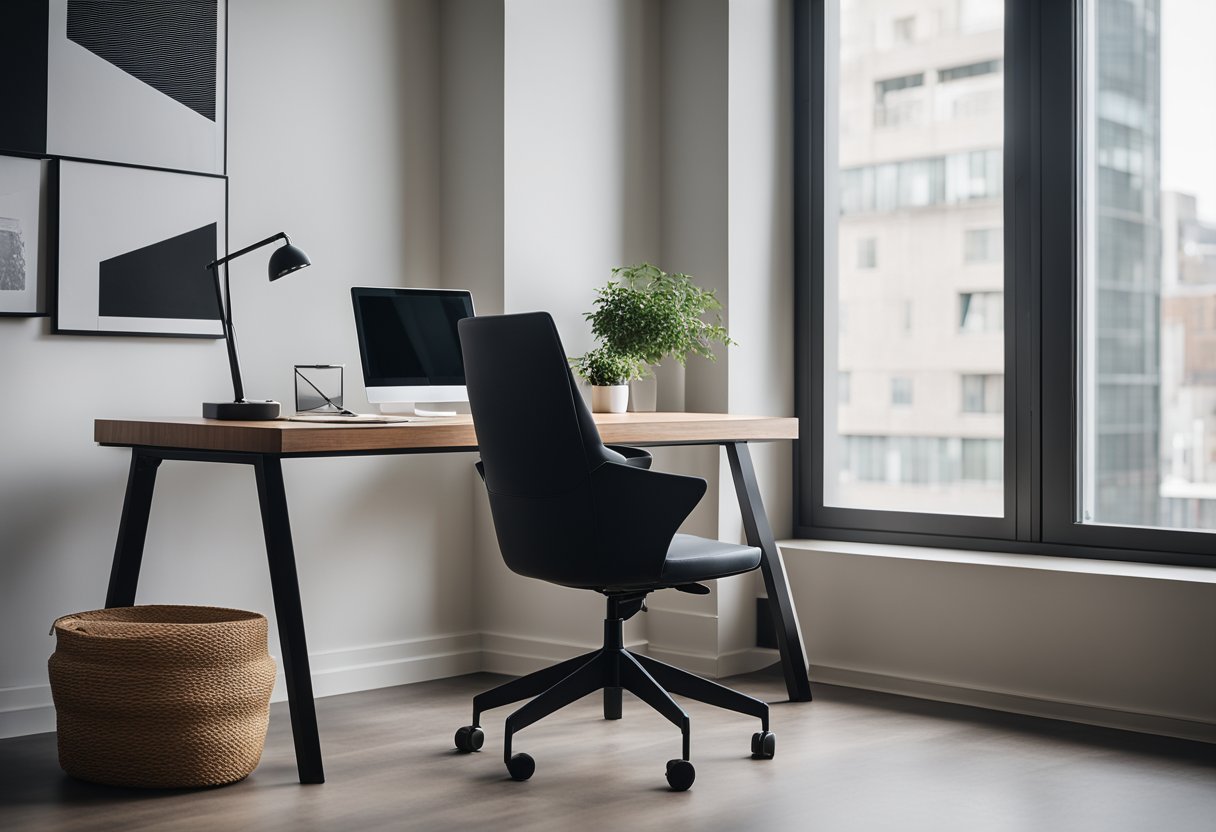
x: 234, y: 365
x: 280, y: 236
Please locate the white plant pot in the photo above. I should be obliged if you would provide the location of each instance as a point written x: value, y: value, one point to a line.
x: 644, y: 394
x: 612, y: 399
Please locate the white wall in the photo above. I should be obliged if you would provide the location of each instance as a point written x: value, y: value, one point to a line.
x: 332, y: 138
x: 470, y: 153
x: 1127, y: 645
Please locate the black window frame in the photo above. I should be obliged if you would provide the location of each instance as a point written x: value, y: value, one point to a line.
x: 1043, y: 43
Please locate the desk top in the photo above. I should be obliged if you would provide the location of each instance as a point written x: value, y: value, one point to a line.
x: 451, y: 433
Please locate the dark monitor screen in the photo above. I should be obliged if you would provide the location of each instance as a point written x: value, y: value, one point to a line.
x: 407, y: 337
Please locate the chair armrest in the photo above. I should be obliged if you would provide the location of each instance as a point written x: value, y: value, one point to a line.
x: 637, y: 513
x: 634, y: 457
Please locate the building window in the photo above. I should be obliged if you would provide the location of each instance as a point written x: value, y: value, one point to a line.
x: 956, y: 73
x: 982, y: 245
x: 901, y: 391
x: 981, y: 461
x: 903, y: 467
x: 867, y: 253
x: 904, y: 29
x: 934, y: 182
x: 1106, y: 449
x: 981, y: 311
x: 899, y: 101
x: 983, y: 393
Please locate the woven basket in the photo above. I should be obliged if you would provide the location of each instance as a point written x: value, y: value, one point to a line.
x: 161, y: 696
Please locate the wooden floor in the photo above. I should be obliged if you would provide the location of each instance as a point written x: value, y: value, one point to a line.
x: 850, y: 760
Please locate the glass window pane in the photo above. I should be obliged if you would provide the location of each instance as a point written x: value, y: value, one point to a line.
x: 914, y: 156
x: 1148, y: 302
x: 973, y: 394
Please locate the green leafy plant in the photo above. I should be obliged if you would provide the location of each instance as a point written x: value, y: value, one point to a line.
x: 604, y: 367
x: 648, y: 313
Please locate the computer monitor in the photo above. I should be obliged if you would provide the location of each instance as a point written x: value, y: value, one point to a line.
x: 409, y: 346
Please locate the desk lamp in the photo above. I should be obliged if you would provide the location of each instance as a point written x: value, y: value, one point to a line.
x: 283, y: 261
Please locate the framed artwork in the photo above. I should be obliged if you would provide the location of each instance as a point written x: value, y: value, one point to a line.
x: 132, y: 250
x: 23, y: 206
x: 130, y: 81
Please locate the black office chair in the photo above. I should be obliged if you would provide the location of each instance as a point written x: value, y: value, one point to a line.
x: 569, y: 510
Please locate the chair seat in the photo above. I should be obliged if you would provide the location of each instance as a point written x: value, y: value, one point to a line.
x: 691, y: 559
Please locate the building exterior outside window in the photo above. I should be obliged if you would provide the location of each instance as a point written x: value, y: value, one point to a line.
x: 918, y: 172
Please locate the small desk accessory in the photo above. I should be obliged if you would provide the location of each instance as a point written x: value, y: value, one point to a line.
x: 319, y: 388
x: 283, y: 261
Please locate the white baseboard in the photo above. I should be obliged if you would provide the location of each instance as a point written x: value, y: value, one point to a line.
x: 519, y: 655
x: 29, y: 710
x: 26, y: 710
x: 717, y: 666
x: 393, y: 663
x: 748, y: 660
x: 1161, y: 724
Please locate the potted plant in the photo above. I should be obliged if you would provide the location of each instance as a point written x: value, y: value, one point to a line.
x: 648, y: 313
x: 609, y: 373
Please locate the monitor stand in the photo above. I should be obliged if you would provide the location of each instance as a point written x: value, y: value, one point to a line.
x: 417, y: 409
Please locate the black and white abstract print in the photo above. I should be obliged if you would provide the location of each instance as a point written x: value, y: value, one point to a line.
x: 12, y: 256
x: 22, y: 205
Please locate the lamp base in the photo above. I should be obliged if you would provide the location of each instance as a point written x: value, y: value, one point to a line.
x: 256, y: 411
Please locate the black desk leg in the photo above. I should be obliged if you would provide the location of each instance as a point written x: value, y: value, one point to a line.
x: 759, y: 533
x: 132, y: 530
x: 285, y: 585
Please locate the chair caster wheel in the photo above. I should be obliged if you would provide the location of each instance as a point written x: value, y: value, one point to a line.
x: 469, y: 738
x: 764, y: 745
x: 680, y: 775
x: 521, y: 766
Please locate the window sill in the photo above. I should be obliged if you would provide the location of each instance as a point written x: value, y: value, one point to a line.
x: 1047, y: 563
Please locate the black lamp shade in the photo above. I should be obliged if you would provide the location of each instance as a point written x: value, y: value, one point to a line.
x: 287, y: 259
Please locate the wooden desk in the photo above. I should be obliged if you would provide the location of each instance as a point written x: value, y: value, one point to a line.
x: 264, y: 445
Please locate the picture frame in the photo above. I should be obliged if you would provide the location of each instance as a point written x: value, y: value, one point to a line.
x: 23, y: 234
x: 132, y: 249
x: 125, y: 81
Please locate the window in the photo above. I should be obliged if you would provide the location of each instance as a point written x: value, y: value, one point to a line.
x: 904, y: 29
x: 1147, y: 419
x: 903, y: 82
x: 901, y: 390
x: 899, y: 100
x: 955, y: 73
x: 867, y: 253
x: 981, y: 461
x: 935, y: 182
x: 981, y: 311
x: 911, y: 188
x: 1091, y: 308
x: 983, y: 393
x: 982, y: 245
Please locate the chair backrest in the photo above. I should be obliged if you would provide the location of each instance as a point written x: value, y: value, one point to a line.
x: 538, y: 444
